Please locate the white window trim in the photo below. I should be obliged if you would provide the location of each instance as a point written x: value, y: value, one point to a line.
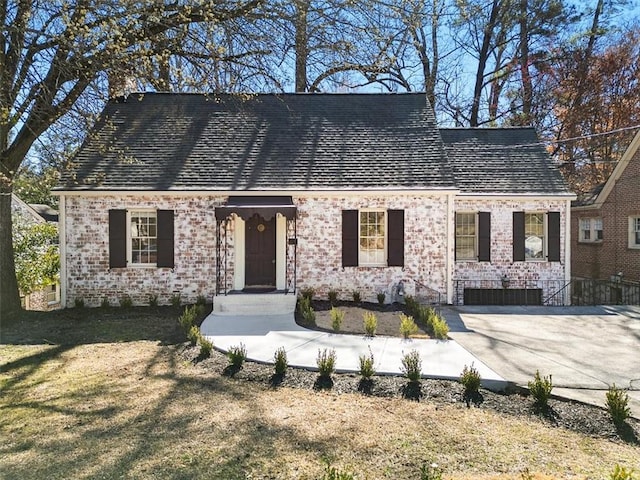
x: 593, y: 238
x: 475, y: 242
x: 545, y: 233
x: 385, y: 262
x: 57, y: 295
x: 632, y: 232
x: 129, y: 249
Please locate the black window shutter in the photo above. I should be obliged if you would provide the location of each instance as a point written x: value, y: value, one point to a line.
x: 350, y: 238
x: 484, y: 236
x: 117, y: 238
x: 165, y: 239
x: 518, y: 236
x: 395, y: 235
x: 553, y: 229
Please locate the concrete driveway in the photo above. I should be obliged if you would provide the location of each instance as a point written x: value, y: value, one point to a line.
x: 585, y: 349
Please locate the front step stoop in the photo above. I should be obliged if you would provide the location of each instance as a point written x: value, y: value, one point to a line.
x: 254, y: 304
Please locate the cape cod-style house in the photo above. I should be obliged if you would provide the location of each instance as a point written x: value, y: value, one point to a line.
x: 207, y: 195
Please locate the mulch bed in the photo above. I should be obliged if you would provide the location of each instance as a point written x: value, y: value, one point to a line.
x: 582, y: 418
x: 576, y: 416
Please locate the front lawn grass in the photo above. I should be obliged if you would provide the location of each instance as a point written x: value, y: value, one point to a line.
x: 128, y: 405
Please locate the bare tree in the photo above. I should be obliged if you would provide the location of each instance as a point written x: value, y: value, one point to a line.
x: 50, y: 54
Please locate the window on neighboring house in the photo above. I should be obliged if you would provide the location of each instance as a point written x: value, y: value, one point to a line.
x: 143, y: 232
x: 373, y: 241
x: 141, y: 237
x: 466, y: 239
x: 634, y: 232
x: 372, y: 238
x: 536, y: 236
x: 591, y: 230
x: 53, y: 294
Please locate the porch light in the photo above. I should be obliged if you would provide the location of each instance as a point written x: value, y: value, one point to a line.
x: 505, y: 281
x: 616, y: 278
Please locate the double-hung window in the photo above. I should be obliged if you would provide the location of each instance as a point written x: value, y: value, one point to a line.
x: 534, y: 236
x: 634, y: 232
x: 466, y: 236
x: 373, y: 238
x: 591, y: 230
x: 143, y: 233
x: 473, y: 236
x: 141, y: 237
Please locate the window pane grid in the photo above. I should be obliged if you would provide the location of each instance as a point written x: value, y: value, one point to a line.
x: 372, y: 238
x: 465, y: 235
x: 534, y: 236
x: 144, y: 232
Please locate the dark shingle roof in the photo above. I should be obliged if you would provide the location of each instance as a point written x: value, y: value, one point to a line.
x: 501, y: 160
x: 263, y: 142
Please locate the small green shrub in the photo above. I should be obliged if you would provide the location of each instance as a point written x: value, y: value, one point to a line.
x: 618, y: 404
x: 333, y: 297
x: 439, y: 327
x: 411, y: 304
x: 337, y: 316
x: 621, y: 473
x: 153, y: 300
x: 331, y: 473
x: 105, y: 302
x: 126, y: 302
x: 470, y: 380
x: 193, y: 335
x: 237, y: 355
x: 280, y: 361
x: 187, y: 318
x: 370, y: 322
x: 408, y: 326
x: 176, y: 301
x: 308, y: 293
x: 430, y: 471
x: 540, y: 389
x: 206, y: 347
x: 412, y: 366
x: 201, y: 300
x: 306, y: 310
x: 326, y: 362
x: 367, y: 369
x: 79, y: 302
x: 356, y: 296
x: 381, y: 297
x: 200, y: 309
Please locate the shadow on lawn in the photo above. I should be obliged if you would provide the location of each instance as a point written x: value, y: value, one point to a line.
x: 78, y: 326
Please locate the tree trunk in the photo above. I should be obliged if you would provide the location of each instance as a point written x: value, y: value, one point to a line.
x: 482, y: 62
x: 9, y: 297
x: 527, y: 87
x: 302, y: 47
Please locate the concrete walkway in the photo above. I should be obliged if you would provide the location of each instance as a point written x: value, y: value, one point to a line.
x: 585, y: 349
x: 263, y: 334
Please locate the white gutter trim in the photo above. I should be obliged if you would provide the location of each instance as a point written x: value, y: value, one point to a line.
x: 252, y: 193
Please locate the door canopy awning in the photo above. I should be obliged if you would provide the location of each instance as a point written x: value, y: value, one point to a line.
x: 266, y: 207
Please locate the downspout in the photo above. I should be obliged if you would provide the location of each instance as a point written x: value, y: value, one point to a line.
x: 449, y: 262
x: 567, y: 250
x: 62, y: 245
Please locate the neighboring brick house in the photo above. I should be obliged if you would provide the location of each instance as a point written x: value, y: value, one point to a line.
x: 212, y: 194
x: 606, y: 226
x: 47, y: 298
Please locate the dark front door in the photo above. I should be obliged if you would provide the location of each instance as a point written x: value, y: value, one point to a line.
x: 260, y: 246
